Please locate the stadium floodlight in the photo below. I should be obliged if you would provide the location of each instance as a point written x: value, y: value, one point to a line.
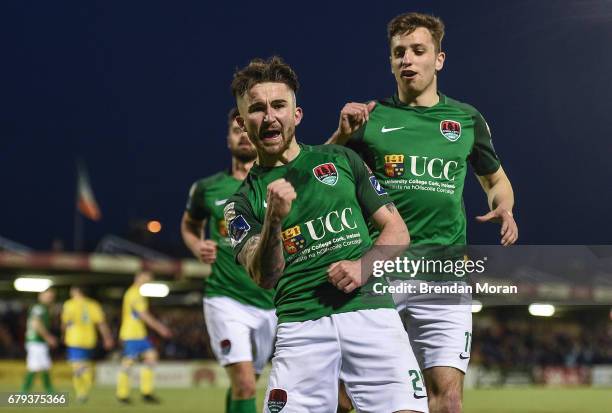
x: 154, y: 290
x: 541, y: 310
x: 476, y: 306
x: 32, y: 284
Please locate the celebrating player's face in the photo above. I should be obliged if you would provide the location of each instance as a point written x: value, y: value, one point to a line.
x: 414, y: 61
x: 269, y: 115
x: 239, y: 144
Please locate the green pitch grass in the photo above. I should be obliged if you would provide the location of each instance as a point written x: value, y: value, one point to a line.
x: 528, y: 400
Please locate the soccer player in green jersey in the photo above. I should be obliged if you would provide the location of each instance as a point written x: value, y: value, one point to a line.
x: 299, y: 223
x: 38, y: 339
x: 239, y: 315
x: 419, y: 143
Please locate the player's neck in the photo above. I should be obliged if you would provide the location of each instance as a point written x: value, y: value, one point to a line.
x: 278, y: 160
x: 427, y: 98
x: 241, y: 169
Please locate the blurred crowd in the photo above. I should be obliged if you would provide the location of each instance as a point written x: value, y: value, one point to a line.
x: 498, y: 342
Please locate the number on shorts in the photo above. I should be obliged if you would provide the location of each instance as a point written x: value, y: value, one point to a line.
x: 468, y: 341
x: 417, y: 378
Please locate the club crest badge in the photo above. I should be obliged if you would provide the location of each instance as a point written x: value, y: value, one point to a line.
x: 277, y: 399
x: 450, y: 129
x: 293, y: 240
x: 226, y: 347
x: 326, y: 173
x: 394, y: 165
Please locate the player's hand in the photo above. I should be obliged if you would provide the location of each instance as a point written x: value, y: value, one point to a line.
x: 345, y: 275
x: 108, y: 344
x: 207, y: 251
x: 52, y: 341
x: 165, y: 332
x: 279, y: 198
x: 509, y: 229
x: 353, y: 116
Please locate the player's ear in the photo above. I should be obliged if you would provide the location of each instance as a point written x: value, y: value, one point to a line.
x: 440, y: 61
x: 298, y: 115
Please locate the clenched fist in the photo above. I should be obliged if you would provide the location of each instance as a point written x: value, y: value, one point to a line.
x: 206, y: 251
x: 345, y: 275
x: 279, y: 198
x: 353, y: 116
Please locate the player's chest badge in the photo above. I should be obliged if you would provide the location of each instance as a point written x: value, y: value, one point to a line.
x: 450, y: 129
x: 326, y: 173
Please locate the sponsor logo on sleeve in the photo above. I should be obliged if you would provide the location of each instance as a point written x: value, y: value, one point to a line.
x: 377, y: 186
x: 293, y: 240
x: 326, y: 173
x: 226, y: 347
x: 277, y: 399
x: 450, y: 129
x: 394, y: 165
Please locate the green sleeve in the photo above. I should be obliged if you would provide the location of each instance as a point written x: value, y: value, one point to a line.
x: 483, y: 158
x: 196, y: 207
x: 370, y: 194
x: 241, y: 222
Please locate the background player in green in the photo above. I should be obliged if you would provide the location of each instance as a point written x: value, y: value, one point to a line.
x: 239, y: 315
x: 298, y: 223
x: 419, y: 143
x: 38, y: 339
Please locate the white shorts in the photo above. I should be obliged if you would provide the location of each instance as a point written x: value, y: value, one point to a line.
x: 440, y: 332
x: 239, y: 332
x: 38, y: 358
x: 366, y: 349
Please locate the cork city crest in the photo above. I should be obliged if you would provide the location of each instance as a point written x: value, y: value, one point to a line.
x: 277, y: 399
x: 394, y: 165
x: 326, y: 173
x: 450, y: 129
x: 293, y: 240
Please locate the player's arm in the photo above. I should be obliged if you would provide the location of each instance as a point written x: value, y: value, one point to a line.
x: 192, y: 231
x: 392, y: 241
x: 105, y: 332
x: 353, y: 116
x: 40, y: 328
x: 500, y: 197
x: 154, y: 323
x: 262, y: 254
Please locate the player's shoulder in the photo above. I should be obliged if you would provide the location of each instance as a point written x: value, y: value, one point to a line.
x: 37, y: 309
x: 207, y: 181
x: 464, y: 107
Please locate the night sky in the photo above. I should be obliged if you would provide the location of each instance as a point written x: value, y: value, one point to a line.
x: 140, y: 91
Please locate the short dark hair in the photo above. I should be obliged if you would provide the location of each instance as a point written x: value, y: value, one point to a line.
x: 409, y: 22
x: 259, y: 71
x: 231, y: 115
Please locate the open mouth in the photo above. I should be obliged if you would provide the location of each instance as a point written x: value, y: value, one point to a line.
x: 270, y: 135
x: 408, y: 74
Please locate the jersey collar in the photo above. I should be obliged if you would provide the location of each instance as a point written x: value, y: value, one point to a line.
x: 396, y: 102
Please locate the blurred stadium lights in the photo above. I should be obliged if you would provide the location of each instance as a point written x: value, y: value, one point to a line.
x: 32, y: 285
x: 154, y: 290
x: 476, y: 306
x: 541, y: 310
x: 154, y: 226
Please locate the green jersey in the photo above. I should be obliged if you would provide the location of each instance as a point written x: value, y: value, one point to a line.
x: 207, y: 198
x: 336, y: 195
x: 41, y: 312
x: 420, y: 156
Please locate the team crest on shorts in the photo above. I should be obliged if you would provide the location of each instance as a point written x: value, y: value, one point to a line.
x: 226, y: 347
x: 326, y: 173
x: 450, y: 129
x: 293, y: 240
x: 277, y: 399
x: 394, y: 165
